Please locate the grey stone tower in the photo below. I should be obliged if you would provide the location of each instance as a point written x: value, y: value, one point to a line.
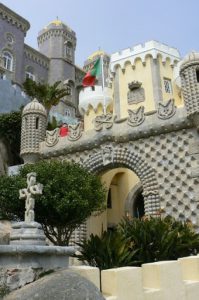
x: 189, y: 73
x: 58, y: 42
x: 34, y: 120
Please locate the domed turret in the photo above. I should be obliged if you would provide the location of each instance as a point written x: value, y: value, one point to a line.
x: 189, y: 73
x: 58, y: 41
x: 34, y: 120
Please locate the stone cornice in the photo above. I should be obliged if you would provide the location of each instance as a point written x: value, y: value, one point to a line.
x: 47, y: 33
x: 36, y: 56
x: 13, y: 18
x: 119, y: 133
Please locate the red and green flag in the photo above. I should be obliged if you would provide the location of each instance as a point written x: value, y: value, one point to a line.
x: 90, y: 77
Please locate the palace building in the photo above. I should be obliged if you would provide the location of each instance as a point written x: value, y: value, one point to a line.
x: 140, y: 132
x: 54, y: 61
x: 140, y: 135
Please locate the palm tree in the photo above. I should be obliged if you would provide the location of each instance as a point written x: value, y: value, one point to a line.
x: 48, y: 95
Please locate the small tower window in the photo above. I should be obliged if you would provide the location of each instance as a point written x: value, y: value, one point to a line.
x: 109, y: 200
x: 68, y: 112
x: 197, y: 75
x: 26, y: 123
x: 37, y: 123
x: 167, y: 86
x: 68, y: 49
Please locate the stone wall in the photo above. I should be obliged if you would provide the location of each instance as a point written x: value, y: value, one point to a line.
x: 164, y: 280
x: 11, y: 97
x: 166, y: 165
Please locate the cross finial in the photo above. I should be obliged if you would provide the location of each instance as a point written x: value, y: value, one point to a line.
x: 28, y: 193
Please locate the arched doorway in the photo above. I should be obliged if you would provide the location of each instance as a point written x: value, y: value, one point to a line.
x: 145, y: 201
x: 109, y: 158
x: 134, y: 205
x: 138, y: 206
x: 119, y: 182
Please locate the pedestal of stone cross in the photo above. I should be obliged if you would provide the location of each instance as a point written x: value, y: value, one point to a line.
x: 28, y: 232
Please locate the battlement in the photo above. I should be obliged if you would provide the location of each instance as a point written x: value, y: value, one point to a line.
x: 152, y: 48
x: 163, y: 280
x: 93, y: 98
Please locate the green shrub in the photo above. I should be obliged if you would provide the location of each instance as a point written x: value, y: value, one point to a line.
x: 107, y: 251
x: 156, y: 239
x: 136, y: 242
x: 70, y: 195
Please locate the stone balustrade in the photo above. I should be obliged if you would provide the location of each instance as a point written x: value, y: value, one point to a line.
x: 173, y: 280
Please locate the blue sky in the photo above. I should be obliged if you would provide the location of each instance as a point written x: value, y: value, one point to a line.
x: 114, y: 25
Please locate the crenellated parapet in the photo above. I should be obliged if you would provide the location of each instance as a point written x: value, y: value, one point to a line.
x: 93, y: 98
x: 57, y: 29
x: 151, y: 48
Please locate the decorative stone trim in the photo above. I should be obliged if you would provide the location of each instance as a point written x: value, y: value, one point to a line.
x: 13, y: 18
x: 134, y: 85
x: 52, y: 137
x: 75, y: 131
x: 36, y: 56
x: 167, y: 110
x: 54, y: 32
x: 136, y: 96
x: 103, y: 121
x: 109, y: 157
x: 136, y: 117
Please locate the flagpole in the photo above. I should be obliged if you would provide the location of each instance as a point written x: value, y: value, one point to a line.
x: 104, y: 99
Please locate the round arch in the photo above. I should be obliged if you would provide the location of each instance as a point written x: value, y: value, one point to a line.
x: 109, y: 158
x: 131, y: 198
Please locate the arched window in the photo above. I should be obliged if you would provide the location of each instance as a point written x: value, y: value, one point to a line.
x: 197, y: 75
x: 68, y: 49
x: 68, y: 112
x: 37, y: 123
x: 8, y: 61
x: 30, y: 73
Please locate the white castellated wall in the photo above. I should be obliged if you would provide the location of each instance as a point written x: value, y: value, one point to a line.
x: 92, y: 98
x: 166, y: 280
x: 152, y: 48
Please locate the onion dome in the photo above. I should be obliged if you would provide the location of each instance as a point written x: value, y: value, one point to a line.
x: 190, y: 59
x: 34, y: 107
x: 96, y: 54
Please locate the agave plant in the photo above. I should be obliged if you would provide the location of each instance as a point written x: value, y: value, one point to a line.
x: 105, y: 252
x: 156, y: 239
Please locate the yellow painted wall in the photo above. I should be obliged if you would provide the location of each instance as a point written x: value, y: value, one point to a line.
x: 142, y: 73
x: 166, y: 71
x: 90, y: 116
x: 121, y: 181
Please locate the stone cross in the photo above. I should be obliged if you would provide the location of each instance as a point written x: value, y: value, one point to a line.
x: 28, y: 193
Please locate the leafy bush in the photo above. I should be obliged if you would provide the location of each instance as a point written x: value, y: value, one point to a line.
x: 157, y: 239
x: 136, y: 242
x: 105, y: 252
x: 10, y: 132
x: 70, y: 195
